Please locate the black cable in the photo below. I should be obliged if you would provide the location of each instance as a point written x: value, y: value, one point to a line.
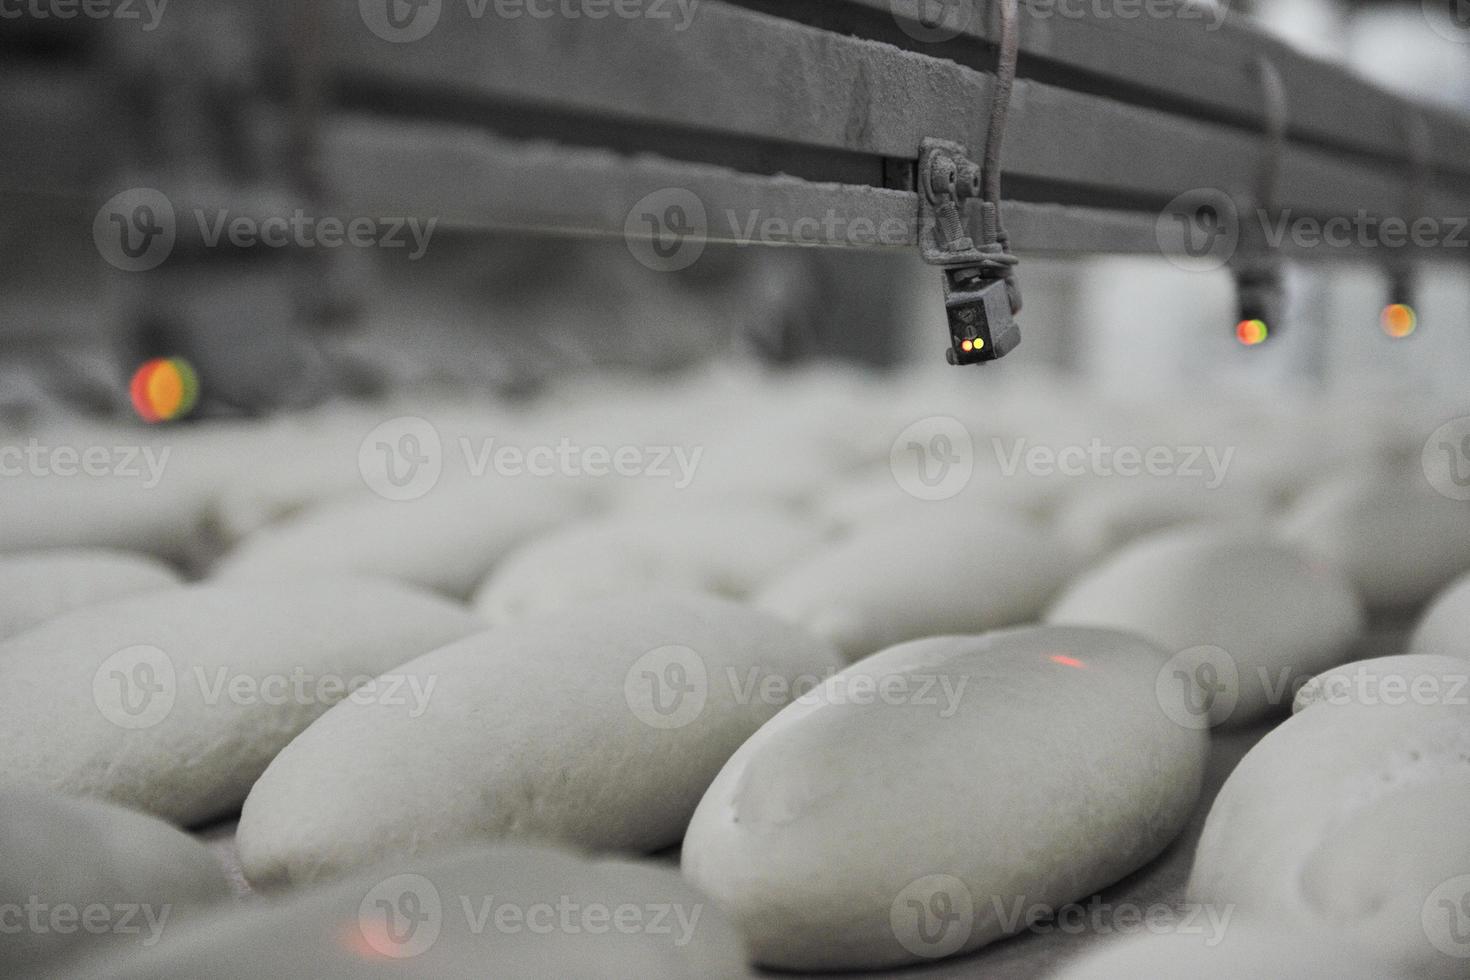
x: 1000, y: 101
x: 996, y: 244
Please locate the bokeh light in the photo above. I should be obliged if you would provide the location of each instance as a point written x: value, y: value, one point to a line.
x: 164, y: 389
x: 1252, y: 333
x: 1399, y: 320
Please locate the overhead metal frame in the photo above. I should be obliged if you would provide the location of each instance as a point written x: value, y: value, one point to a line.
x: 774, y: 115
x: 793, y: 110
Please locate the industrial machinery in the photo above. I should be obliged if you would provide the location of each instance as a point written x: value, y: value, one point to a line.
x: 676, y: 125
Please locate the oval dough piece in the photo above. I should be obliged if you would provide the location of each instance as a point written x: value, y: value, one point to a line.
x: 929, y: 574
x: 726, y: 551
x: 507, y: 912
x: 174, y: 702
x: 1349, y: 819
x: 599, y: 727
x: 63, y: 858
x: 1444, y: 629
x: 1248, y: 621
x: 900, y: 812
x: 445, y: 541
x: 1394, y: 537
x: 41, y: 585
x: 1390, y: 682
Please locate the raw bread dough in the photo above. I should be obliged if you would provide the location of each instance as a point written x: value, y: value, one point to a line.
x: 1394, y: 537
x: 599, y: 727
x: 445, y: 541
x: 1390, y: 682
x: 1248, y: 621
x: 1445, y: 628
x: 724, y: 551
x: 39, y: 585
x: 1113, y: 514
x: 907, y: 808
x: 938, y: 572
x: 1351, y: 819
x: 508, y: 912
x: 63, y: 858
x: 174, y: 702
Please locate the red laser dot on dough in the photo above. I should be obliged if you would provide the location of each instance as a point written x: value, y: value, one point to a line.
x: 1066, y: 661
x: 367, y: 940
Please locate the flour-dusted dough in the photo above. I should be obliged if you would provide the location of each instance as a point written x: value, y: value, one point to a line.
x: 445, y: 541
x: 928, y: 574
x: 599, y: 726
x: 508, y: 912
x: 1195, y: 949
x: 131, y: 876
x: 909, y: 807
x: 726, y: 551
x: 1393, y: 536
x: 1247, y: 620
x: 173, y: 702
x: 1445, y: 628
x: 1350, y: 818
x: 1390, y: 682
x: 39, y: 585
